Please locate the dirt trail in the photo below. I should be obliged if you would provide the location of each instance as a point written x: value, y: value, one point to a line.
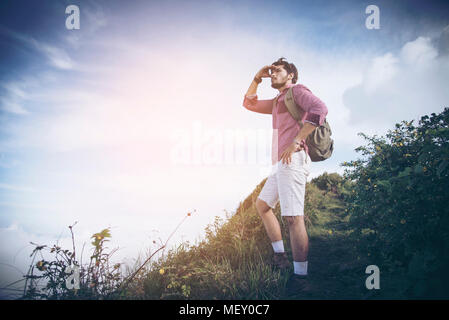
x: 336, y: 270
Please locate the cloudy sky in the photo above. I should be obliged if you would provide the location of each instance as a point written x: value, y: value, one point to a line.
x: 136, y: 118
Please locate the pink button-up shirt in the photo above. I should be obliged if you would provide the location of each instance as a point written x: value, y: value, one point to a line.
x: 285, y: 127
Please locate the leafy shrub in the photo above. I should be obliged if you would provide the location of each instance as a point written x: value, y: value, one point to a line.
x: 328, y: 182
x: 398, y: 202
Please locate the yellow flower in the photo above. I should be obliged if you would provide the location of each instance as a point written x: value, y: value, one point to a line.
x: 161, y: 271
x: 424, y: 169
x: 330, y: 231
x: 40, y: 265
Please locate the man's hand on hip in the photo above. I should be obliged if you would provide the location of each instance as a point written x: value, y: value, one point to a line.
x: 286, y: 156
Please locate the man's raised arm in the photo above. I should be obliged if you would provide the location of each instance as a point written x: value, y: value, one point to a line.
x: 250, y: 100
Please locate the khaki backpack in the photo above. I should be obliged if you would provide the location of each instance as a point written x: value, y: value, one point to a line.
x: 319, y: 141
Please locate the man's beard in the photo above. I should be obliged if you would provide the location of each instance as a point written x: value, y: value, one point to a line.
x: 277, y: 85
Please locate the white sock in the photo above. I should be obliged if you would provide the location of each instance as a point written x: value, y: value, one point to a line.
x: 278, y: 246
x: 300, y: 268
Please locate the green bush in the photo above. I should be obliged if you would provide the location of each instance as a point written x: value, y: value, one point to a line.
x: 398, y: 202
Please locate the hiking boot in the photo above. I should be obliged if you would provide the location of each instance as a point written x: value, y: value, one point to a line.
x: 280, y: 260
x: 297, y: 284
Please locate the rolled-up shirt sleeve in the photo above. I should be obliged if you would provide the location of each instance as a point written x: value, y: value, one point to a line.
x: 315, y: 108
x: 252, y: 103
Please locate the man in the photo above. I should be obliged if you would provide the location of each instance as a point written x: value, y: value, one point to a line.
x: 291, y: 161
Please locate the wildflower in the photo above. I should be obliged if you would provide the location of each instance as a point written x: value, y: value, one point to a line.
x: 40, y: 265
x: 161, y: 271
x: 424, y: 169
x: 403, y: 221
x: 330, y: 231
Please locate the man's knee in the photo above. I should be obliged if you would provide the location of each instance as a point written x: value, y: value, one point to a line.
x: 294, y: 220
x: 261, y: 206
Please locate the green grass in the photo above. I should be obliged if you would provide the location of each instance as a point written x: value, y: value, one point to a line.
x: 233, y: 262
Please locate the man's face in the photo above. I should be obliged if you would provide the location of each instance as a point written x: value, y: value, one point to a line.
x: 279, y: 77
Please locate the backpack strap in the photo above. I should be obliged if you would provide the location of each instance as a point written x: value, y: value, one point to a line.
x: 291, y: 106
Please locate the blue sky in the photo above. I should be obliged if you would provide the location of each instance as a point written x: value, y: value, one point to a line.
x: 96, y: 124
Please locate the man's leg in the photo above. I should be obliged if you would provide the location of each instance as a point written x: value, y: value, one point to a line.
x: 299, y: 239
x: 292, y: 179
x: 273, y: 230
x: 300, y: 246
x: 270, y: 221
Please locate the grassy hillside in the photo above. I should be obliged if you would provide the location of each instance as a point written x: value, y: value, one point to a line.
x: 389, y: 210
x: 233, y: 262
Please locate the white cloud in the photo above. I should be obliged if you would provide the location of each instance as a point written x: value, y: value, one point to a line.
x: 12, y: 107
x: 418, y: 52
x: 57, y: 57
x: 381, y: 70
x: 401, y: 86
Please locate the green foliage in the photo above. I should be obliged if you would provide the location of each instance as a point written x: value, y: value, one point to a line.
x: 328, y: 182
x: 398, y: 202
x: 97, y: 280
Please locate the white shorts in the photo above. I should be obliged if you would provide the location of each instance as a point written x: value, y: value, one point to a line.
x: 287, y: 184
